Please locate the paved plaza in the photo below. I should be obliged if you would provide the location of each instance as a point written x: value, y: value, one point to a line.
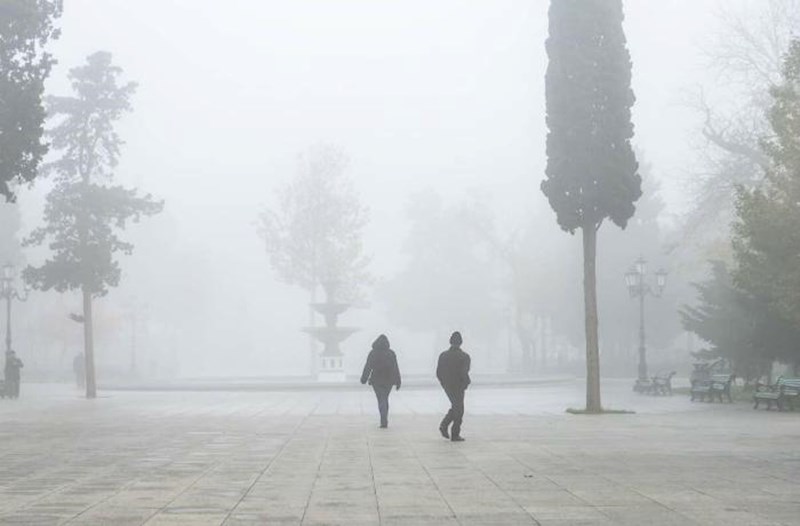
x: 319, y: 458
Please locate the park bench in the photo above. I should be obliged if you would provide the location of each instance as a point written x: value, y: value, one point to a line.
x: 718, y: 385
x: 662, y: 384
x: 642, y: 386
x: 783, y: 392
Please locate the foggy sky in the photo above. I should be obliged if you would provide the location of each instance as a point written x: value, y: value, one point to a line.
x: 447, y: 95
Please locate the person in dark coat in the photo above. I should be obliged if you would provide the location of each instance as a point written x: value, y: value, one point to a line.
x: 12, y: 374
x: 382, y: 372
x: 453, y: 373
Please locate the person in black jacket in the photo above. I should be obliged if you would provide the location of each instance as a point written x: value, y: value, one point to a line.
x: 453, y: 373
x: 12, y: 370
x: 382, y: 372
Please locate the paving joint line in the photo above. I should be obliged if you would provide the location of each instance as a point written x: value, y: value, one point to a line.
x: 374, y: 483
x: 316, y: 477
x: 266, y: 468
x: 433, y: 480
x: 504, y: 492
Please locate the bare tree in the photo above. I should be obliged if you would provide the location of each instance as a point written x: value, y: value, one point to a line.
x: 746, y: 54
x: 314, y: 234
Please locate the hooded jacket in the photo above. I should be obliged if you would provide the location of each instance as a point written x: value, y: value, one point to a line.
x: 381, y: 367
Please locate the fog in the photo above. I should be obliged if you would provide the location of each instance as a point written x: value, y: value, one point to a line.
x: 399, y: 262
x: 441, y: 99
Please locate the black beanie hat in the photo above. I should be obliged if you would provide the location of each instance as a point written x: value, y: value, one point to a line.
x: 455, y: 338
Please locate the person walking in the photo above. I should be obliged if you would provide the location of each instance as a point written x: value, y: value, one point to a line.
x: 382, y: 372
x: 12, y: 374
x: 453, y: 374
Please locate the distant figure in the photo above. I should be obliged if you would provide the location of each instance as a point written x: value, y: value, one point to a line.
x: 12, y: 374
x: 382, y: 373
x: 453, y: 373
x: 79, y: 368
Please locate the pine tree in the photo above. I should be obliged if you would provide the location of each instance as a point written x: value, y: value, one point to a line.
x: 766, y: 238
x: 737, y: 326
x: 26, y: 26
x: 591, y: 168
x: 84, y: 212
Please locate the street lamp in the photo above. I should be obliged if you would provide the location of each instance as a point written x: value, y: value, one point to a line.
x: 9, y: 293
x: 638, y: 287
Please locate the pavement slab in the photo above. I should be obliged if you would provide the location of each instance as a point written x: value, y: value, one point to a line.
x: 318, y: 458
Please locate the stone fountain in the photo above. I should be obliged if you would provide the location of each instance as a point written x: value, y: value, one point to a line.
x: 330, y: 365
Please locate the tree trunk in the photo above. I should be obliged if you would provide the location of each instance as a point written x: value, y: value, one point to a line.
x: 545, y: 345
x: 525, y: 347
x: 509, y: 344
x: 527, y: 352
x: 88, y: 343
x: 526, y: 343
x: 593, y: 404
x: 313, y: 356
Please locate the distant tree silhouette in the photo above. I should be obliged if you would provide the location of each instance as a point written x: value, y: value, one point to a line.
x: 746, y: 54
x: 314, y: 234
x: 449, y: 279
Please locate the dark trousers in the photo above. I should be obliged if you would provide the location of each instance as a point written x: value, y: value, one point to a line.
x: 382, y: 394
x: 456, y: 413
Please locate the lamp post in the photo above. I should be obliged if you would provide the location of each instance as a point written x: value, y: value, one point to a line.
x: 509, y: 337
x: 638, y: 287
x: 9, y: 293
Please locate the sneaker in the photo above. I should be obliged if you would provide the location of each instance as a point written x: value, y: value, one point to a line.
x: 457, y: 439
x: 443, y: 430
x: 384, y: 426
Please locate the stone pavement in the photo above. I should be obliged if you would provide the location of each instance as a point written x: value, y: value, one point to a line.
x: 319, y: 458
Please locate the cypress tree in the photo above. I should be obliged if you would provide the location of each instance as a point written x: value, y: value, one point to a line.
x: 591, y: 173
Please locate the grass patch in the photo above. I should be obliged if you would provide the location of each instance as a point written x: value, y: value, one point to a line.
x: 574, y: 411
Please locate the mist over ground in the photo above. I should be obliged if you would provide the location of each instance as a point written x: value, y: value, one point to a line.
x: 431, y: 102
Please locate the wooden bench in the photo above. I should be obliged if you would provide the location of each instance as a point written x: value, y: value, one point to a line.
x: 718, y: 385
x: 782, y: 393
x: 662, y: 384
